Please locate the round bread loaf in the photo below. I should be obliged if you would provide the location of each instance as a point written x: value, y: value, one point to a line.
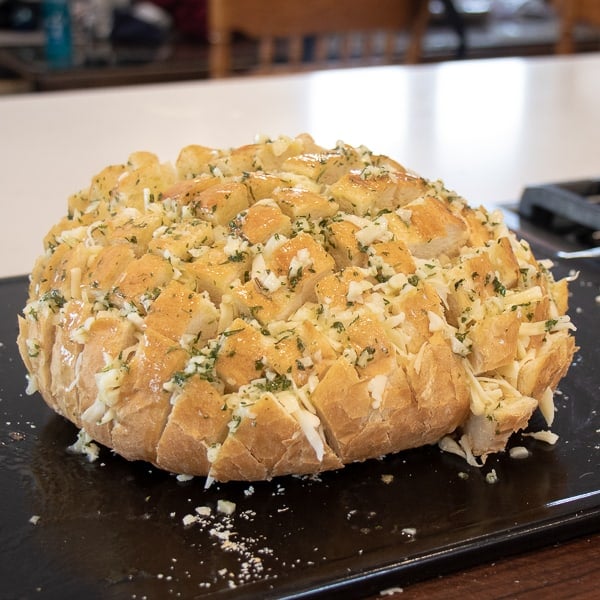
x: 281, y: 308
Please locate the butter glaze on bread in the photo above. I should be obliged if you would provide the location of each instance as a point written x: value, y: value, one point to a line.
x: 281, y: 308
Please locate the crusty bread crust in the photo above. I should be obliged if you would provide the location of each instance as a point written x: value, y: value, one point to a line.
x: 281, y: 308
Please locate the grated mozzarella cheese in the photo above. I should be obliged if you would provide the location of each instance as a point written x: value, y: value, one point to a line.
x: 235, y: 245
x: 376, y: 388
x: 85, y: 445
x: 301, y: 261
x: 546, y: 405
x: 310, y: 425
x: 265, y: 277
x: 543, y: 436
x: 356, y: 289
x: 375, y: 231
x: 436, y: 323
x: 32, y: 384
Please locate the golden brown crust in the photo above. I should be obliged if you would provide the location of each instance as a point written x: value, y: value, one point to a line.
x: 248, y: 452
x: 143, y: 406
x: 197, y: 421
x: 281, y: 308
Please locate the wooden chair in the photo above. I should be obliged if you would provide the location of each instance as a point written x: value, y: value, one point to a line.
x: 364, y: 31
x: 570, y: 13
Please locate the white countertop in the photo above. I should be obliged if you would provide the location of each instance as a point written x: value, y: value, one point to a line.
x: 487, y: 128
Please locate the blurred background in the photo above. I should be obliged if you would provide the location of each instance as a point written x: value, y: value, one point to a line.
x: 50, y: 45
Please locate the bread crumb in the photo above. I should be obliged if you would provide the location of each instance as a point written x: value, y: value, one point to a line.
x: 34, y: 519
x: 226, y: 507
x: 492, y: 476
x: 518, y: 452
x: 387, y: 479
x: 189, y: 520
x: 391, y: 591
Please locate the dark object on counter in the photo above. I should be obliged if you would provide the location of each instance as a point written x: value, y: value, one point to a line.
x: 189, y: 17
x: 575, y: 202
x: 58, y: 32
x: 20, y: 15
x: 130, y: 27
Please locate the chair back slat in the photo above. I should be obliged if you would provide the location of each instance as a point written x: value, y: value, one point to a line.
x: 570, y: 14
x: 299, y: 34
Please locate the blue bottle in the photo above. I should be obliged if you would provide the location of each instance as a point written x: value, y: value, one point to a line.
x: 57, y: 28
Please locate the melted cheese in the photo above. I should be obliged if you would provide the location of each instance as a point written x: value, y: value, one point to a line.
x: 376, y: 388
x: 267, y: 279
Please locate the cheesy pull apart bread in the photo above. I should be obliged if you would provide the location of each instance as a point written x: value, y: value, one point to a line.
x: 281, y: 308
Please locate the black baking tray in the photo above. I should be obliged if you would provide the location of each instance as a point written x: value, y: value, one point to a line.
x: 108, y: 529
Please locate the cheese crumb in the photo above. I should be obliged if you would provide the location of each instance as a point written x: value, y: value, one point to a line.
x: 376, y: 388
x: 226, y: 507
x: 391, y: 591
x: 518, y: 452
x: 543, y: 436
x: 356, y: 289
x: 85, y: 445
x: 189, y: 520
x: 32, y: 386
